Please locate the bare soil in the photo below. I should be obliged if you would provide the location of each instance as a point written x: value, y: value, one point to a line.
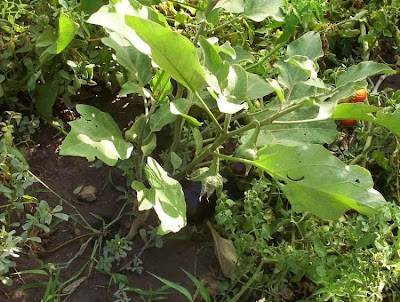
x: 62, y: 174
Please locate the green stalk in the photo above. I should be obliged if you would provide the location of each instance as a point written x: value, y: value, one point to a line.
x: 265, y: 58
x: 227, y: 122
x: 364, y: 152
x: 201, y: 31
x: 223, y: 25
x: 186, y: 4
x: 363, y: 32
x: 250, y: 282
x: 210, y: 114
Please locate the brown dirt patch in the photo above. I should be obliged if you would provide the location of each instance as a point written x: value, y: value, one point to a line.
x: 62, y: 175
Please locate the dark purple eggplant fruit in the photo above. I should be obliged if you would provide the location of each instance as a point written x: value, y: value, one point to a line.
x: 237, y: 168
x: 197, y: 210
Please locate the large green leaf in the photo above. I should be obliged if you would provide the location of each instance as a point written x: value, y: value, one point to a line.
x: 256, y: 10
x: 289, y: 75
x: 360, y: 111
x: 319, y: 132
x: 259, y: 10
x: 112, y: 17
x: 315, y: 181
x: 66, y: 32
x: 171, y: 51
x: 165, y: 196
x: 95, y: 135
x: 136, y: 62
x: 362, y: 71
x: 257, y: 87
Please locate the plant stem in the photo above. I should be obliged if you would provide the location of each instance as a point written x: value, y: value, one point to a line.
x: 223, y: 137
x: 363, y: 32
x: 265, y: 58
x: 223, y: 24
x: 62, y: 245
x: 227, y: 122
x: 251, y: 280
x: 186, y: 4
x: 136, y: 224
x: 364, y: 152
x: 231, y: 158
x: 210, y: 114
x: 52, y: 124
x: 210, y: 6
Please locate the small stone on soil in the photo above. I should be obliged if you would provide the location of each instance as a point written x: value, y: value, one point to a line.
x: 88, y: 194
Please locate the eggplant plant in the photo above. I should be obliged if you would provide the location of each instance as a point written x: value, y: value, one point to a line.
x: 282, y: 123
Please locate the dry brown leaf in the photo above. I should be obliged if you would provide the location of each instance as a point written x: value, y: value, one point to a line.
x: 225, y: 252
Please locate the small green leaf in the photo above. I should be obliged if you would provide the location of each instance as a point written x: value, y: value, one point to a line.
x: 137, y: 129
x: 162, y: 117
x: 149, y: 144
x: 66, y: 32
x: 319, y: 247
x: 278, y: 89
x: 77, y: 190
x: 176, y: 161
x: 198, y: 140
x: 61, y: 216
x: 175, y: 286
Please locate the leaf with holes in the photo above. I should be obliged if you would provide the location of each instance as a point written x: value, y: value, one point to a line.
x: 95, y: 135
x: 315, y: 181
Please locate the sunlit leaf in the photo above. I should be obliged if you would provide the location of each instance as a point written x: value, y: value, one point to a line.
x: 171, y: 51
x: 316, y: 181
x: 95, y: 134
x: 165, y: 196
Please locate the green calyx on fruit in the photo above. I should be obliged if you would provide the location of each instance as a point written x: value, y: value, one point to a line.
x: 211, y: 180
x: 246, y: 151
